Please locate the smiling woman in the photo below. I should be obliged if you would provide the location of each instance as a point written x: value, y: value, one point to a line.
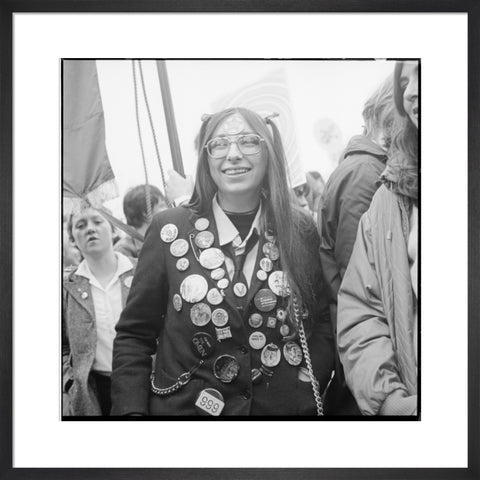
x: 228, y: 292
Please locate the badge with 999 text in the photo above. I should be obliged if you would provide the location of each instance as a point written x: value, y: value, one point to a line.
x: 210, y: 402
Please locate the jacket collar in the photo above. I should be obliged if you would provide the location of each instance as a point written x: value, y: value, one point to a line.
x: 255, y: 283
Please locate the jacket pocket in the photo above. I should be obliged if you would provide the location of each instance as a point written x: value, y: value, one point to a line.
x: 178, y: 402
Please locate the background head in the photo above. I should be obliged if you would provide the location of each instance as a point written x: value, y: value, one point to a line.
x: 135, y: 204
x: 405, y: 80
x: 90, y: 232
x: 379, y: 114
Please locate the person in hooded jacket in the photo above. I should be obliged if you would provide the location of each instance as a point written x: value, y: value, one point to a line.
x: 346, y: 198
x: 377, y: 301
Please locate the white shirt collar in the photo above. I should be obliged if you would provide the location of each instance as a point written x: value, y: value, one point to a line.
x: 227, y: 232
x: 123, y: 265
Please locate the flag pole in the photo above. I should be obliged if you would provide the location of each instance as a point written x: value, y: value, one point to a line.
x: 170, y: 117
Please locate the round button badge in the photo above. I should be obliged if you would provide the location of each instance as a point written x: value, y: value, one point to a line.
x: 202, y: 344
x: 204, y: 239
x: 169, y: 232
x: 266, y: 264
x: 265, y: 300
x: 177, y: 302
x: 211, y: 258
x: 179, y: 247
x: 218, y: 273
x: 223, y: 283
x: 278, y: 283
x: 293, y: 353
x: 255, y: 320
x: 201, y: 224
x: 182, y: 264
x: 240, y: 289
x: 214, y: 296
x: 219, y: 317
x: 200, y: 314
x: 257, y: 340
x: 271, y: 355
x: 193, y: 288
x: 262, y: 275
x: 226, y: 368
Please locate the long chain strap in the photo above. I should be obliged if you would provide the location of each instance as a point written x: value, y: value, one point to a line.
x: 182, y: 380
x: 306, y: 354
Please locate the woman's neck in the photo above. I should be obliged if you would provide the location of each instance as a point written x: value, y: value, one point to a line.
x: 103, y: 267
x: 238, y: 203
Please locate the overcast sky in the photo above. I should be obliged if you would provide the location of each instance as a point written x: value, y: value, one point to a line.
x: 317, y: 89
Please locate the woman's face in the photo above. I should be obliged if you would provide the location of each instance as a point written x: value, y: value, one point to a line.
x: 92, y: 233
x: 409, y: 87
x: 242, y: 159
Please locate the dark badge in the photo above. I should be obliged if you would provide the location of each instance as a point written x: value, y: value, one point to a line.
x: 226, y: 368
x: 202, y: 345
x: 169, y: 233
x: 265, y: 300
x: 240, y: 289
x: 293, y: 353
x: 210, y: 402
x: 255, y: 320
x: 204, y: 239
x: 256, y: 376
x: 217, y: 274
x: 211, y: 258
x: 219, y: 317
x: 271, y: 355
x: 200, y: 314
x: 177, y: 302
x: 214, y: 296
x: 201, y: 224
x: 270, y: 236
x: 182, y: 264
x: 179, y: 247
x: 266, y: 264
x: 278, y: 283
x: 193, y: 288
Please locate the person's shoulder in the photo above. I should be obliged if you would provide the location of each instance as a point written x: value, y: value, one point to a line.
x: 172, y: 215
x: 69, y: 273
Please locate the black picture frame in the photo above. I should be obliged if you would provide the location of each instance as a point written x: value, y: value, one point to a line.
x: 7, y: 10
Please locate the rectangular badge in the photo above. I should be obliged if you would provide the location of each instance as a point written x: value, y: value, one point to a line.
x: 209, y: 404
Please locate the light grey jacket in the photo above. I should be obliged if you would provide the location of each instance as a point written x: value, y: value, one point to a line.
x: 376, y: 312
x: 79, y: 341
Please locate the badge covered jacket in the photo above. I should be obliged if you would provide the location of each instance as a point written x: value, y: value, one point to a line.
x: 206, y: 337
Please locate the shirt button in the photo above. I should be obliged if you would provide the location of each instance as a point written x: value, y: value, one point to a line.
x: 246, y: 395
x: 243, y: 349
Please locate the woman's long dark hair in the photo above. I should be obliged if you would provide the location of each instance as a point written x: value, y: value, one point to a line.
x: 294, y: 228
x: 403, y: 153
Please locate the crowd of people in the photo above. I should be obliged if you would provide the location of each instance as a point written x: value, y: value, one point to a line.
x: 249, y: 298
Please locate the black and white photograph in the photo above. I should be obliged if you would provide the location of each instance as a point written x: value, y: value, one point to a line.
x: 240, y: 238
x: 244, y: 240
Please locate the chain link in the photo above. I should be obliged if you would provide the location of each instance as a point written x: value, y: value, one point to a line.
x: 182, y: 380
x: 306, y: 354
